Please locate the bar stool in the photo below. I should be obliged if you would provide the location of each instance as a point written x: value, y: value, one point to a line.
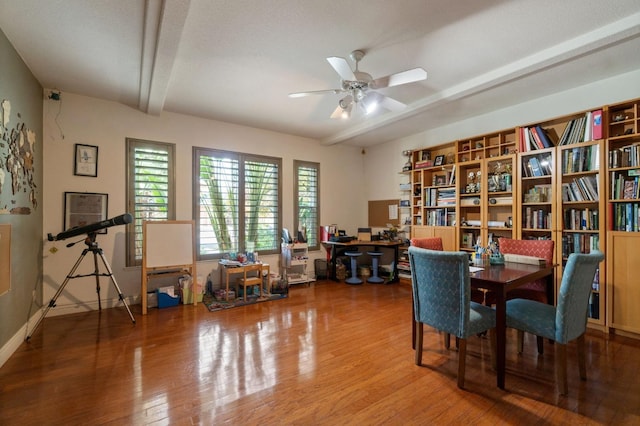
x: 354, y: 267
x: 375, y: 279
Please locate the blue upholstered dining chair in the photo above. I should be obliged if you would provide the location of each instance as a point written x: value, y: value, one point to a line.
x: 566, y: 321
x: 442, y: 300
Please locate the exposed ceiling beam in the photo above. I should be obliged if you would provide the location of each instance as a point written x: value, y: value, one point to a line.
x: 164, y: 22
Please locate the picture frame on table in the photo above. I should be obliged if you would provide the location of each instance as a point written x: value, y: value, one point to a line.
x: 85, y: 208
x: 86, y: 160
x: 439, y: 160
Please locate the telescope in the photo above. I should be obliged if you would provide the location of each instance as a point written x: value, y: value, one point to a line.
x: 87, y: 229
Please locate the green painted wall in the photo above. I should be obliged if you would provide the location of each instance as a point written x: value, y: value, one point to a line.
x: 22, y: 191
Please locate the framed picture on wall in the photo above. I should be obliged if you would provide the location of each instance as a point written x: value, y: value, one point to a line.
x: 86, y: 160
x: 84, y: 208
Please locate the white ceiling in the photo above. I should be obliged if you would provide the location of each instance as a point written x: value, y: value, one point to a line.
x: 236, y: 60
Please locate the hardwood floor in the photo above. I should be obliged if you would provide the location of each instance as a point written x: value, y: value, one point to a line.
x: 329, y: 354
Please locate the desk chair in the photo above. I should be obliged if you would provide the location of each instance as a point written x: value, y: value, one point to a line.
x: 354, y: 268
x: 375, y: 279
x: 567, y: 321
x: 442, y: 299
x: 252, y: 276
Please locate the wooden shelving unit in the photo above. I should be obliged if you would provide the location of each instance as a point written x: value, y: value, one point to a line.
x: 434, y: 205
x: 581, y: 211
x: 623, y: 231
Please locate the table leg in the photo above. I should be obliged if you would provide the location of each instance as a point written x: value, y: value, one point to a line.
x: 501, y: 335
x: 396, y: 256
x: 333, y: 263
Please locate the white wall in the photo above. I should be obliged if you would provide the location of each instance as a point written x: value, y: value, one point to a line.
x: 79, y: 119
x: 389, y: 156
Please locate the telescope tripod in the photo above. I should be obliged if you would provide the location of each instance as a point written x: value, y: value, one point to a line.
x: 92, y: 247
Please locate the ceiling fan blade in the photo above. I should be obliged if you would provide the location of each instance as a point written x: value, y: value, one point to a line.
x: 337, y: 113
x: 315, y: 92
x: 397, y: 79
x: 391, y: 104
x: 342, y: 68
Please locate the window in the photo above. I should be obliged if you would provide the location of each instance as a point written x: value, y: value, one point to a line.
x: 307, y: 200
x: 236, y: 203
x: 150, y: 189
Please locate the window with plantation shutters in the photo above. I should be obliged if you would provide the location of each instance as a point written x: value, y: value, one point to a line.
x: 236, y: 203
x: 150, y: 189
x: 307, y: 201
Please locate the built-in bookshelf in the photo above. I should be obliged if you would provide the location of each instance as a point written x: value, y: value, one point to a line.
x: 498, y: 200
x: 623, y: 215
x: 581, y: 208
x: 470, y: 188
x: 434, y: 202
x: 536, y: 194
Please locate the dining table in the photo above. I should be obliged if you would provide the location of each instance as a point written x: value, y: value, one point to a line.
x: 499, y: 279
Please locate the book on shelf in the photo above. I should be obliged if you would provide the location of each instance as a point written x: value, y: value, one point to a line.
x: 534, y: 166
x: 533, y: 136
x: 629, y: 191
x: 596, y: 124
x: 543, y: 136
x: 423, y: 164
x: 588, y: 129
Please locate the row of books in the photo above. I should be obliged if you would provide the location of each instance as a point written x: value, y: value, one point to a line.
x: 581, y: 219
x: 626, y: 156
x: 624, y: 217
x: 534, y: 138
x: 583, y: 129
x: 441, y: 217
x: 581, y: 159
x: 624, y: 187
x: 536, y: 219
x: 538, y: 166
x: 579, y: 243
x: 585, y: 188
x: 439, y: 197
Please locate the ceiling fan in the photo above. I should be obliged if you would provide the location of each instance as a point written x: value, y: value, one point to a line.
x: 360, y: 87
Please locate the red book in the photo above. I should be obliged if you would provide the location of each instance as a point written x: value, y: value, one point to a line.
x: 596, y: 124
x: 536, y: 137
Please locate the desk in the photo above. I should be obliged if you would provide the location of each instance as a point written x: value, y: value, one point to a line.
x: 227, y: 271
x: 337, y: 247
x: 500, y: 279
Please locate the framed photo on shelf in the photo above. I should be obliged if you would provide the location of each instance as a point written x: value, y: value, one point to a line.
x: 439, y: 160
x: 86, y: 160
x: 84, y: 208
x: 440, y: 180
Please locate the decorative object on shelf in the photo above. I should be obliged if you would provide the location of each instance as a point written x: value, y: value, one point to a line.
x: 473, y: 182
x: 451, y: 158
x: 407, y: 166
x: 86, y: 160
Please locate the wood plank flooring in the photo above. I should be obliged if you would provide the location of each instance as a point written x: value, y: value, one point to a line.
x: 329, y: 354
